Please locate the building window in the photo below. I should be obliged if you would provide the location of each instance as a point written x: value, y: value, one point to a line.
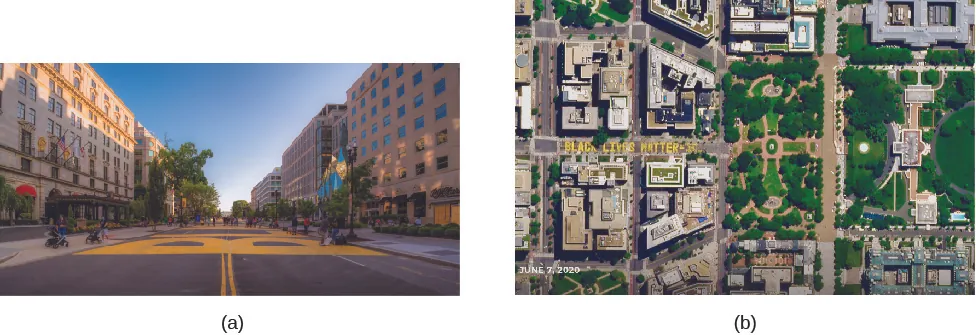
x: 22, y: 85
x: 362, y: 102
x: 362, y: 86
x: 50, y: 126
x: 21, y: 110
x: 420, y: 168
x: 33, y: 70
x: 375, y: 145
x: 386, y: 158
x: 372, y: 93
x: 418, y: 100
x: 91, y: 182
x: 32, y: 116
x: 386, y: 121
x: 57, y: 130
x: 373, y: 112
x: 440, y: 112
x: 439, y: 87
x: 402, y: 132
x: 77, y: 67
x: 418, y: 123
x: 354, y: 95
x: 401, y: 111
x: 419, y: 145
x: 399, y: 71
x: 55, y: 172
x: 32, y: 93
x: 384, y: 66
x: 374, y: 128
x: 386, y: 82
x: 401, y: 172
x: 78, y: 85
x: 57, y: 67
x: 387, y: 177
x: 418, y: 78
x: 25, y: 165
x: 364, y: 134
x: 438, y: 66
x: 441, y: 162
x: 372, y: 76
x: 386, y: 139
x: 50, y: 85
x: 58, y: 109
x: 386, y: 102
x: 400, y: 91
x: 442, y: 137
x: 402, y: 152
x: 354, y: 125
x: 354, y: 109
x: 50, y: 104
x: 363, y: 119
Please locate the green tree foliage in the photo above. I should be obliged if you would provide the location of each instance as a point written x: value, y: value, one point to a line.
x: 157, y: 191
x: 731, y: 223
x: 578, y: 16
x: 958, y: 57
x: 338, y: 203
x: 138, y: 207
x: 621, y: 6
x: 237, y: 208
x: 200, y: 197
x: 668, y: 46
x: 601, y: 137
x: 958, y: 90
x: 737, y: 197
x: 306, y: 208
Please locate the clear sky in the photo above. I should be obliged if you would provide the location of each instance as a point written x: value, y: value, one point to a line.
x: 246, y: 113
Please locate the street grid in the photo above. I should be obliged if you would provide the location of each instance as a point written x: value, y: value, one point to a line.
x: 546, y: 146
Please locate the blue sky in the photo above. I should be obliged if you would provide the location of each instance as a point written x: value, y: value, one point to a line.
x: 246, y: 113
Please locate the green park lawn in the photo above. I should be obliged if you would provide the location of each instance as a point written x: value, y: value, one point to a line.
x: 562, y: 285
x: 925, y: 178
x: 752, y: 146
x: 772, y: 121
x: 926, y: 118
x: 908, y: 77
x: 759, y: 127
x: 955, y: 154
x: 876, y: 151
x: 757, y: 89
x: 771, y: 180
x: 772, y: 147
x: 895, y: 188
x: 612, y: 14
x: 794, y: 147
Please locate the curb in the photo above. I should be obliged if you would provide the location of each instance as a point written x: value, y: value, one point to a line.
x: 9, y: 257
x: 409, y: 255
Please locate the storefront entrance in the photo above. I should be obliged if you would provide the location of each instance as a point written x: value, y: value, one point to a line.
x: 447, y: 213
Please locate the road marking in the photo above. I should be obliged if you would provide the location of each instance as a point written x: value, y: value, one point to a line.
x: 350, y: 260
x: 223, y: 275
x: 230, y: 275
x: 411, y: 270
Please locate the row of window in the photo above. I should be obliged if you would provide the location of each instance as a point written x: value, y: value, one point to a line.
x: 55, y: 172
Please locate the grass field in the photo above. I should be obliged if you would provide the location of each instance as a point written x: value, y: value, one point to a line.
x: 925, y: 178
x: 772, y: 122
x: 771, y: 181
x: 895, y: 188
x: 794, y: 147
x: 772, y: 147
x: 562, y: 285
x: 612, y: 14
x: 876, y: 151
x: 908, y: 77
x: 955, y: 154
x: 926, y: 118
x: 758, y: 87
x: 751, y: 146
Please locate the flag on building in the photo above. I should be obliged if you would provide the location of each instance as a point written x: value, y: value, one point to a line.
x: 64, y: 147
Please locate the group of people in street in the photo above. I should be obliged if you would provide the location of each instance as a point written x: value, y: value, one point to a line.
x: 62, y: 226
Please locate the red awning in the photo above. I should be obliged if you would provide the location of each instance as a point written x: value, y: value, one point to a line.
x: 26, y: 190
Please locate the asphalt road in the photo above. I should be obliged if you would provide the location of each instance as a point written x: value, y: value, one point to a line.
x: 201, y: 263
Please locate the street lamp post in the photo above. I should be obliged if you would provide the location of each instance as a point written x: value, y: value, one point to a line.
x: 352, y: 184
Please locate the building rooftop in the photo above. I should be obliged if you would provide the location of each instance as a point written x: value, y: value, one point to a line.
x: 930, y: 26
x: 597, y: 174
x: 664, y: 230
x: 613, y: 81
x: 772, y: 277
x: 664, y: 172
x: 658, y: 203
x: 926, y: 208
x: 910, y: 148
x: 664, y: 66
x: 575, y: 234
x: 919, y: 94
x: 695, y: 19
x: 700, y: 174
x: 523, y: 62
x: 577, y: 93
x: 580, y: 118
x: 523, y: 7
x: 609, y: 208
x: 918, y: 271
x: 803, y: 35
x: 618, y: 116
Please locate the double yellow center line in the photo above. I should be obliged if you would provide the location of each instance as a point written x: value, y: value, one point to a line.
x: 227, y: 275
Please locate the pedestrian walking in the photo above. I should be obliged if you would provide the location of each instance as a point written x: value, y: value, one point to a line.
x: 306, y: 226
x: 294, y: 225
x: 103, y: 227
x: 417, y: 222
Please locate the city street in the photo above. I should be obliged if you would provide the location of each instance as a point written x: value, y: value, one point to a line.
x: 228, y: 261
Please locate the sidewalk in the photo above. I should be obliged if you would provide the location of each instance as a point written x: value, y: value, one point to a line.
x: 437, y: 250
x: 26, y: 251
